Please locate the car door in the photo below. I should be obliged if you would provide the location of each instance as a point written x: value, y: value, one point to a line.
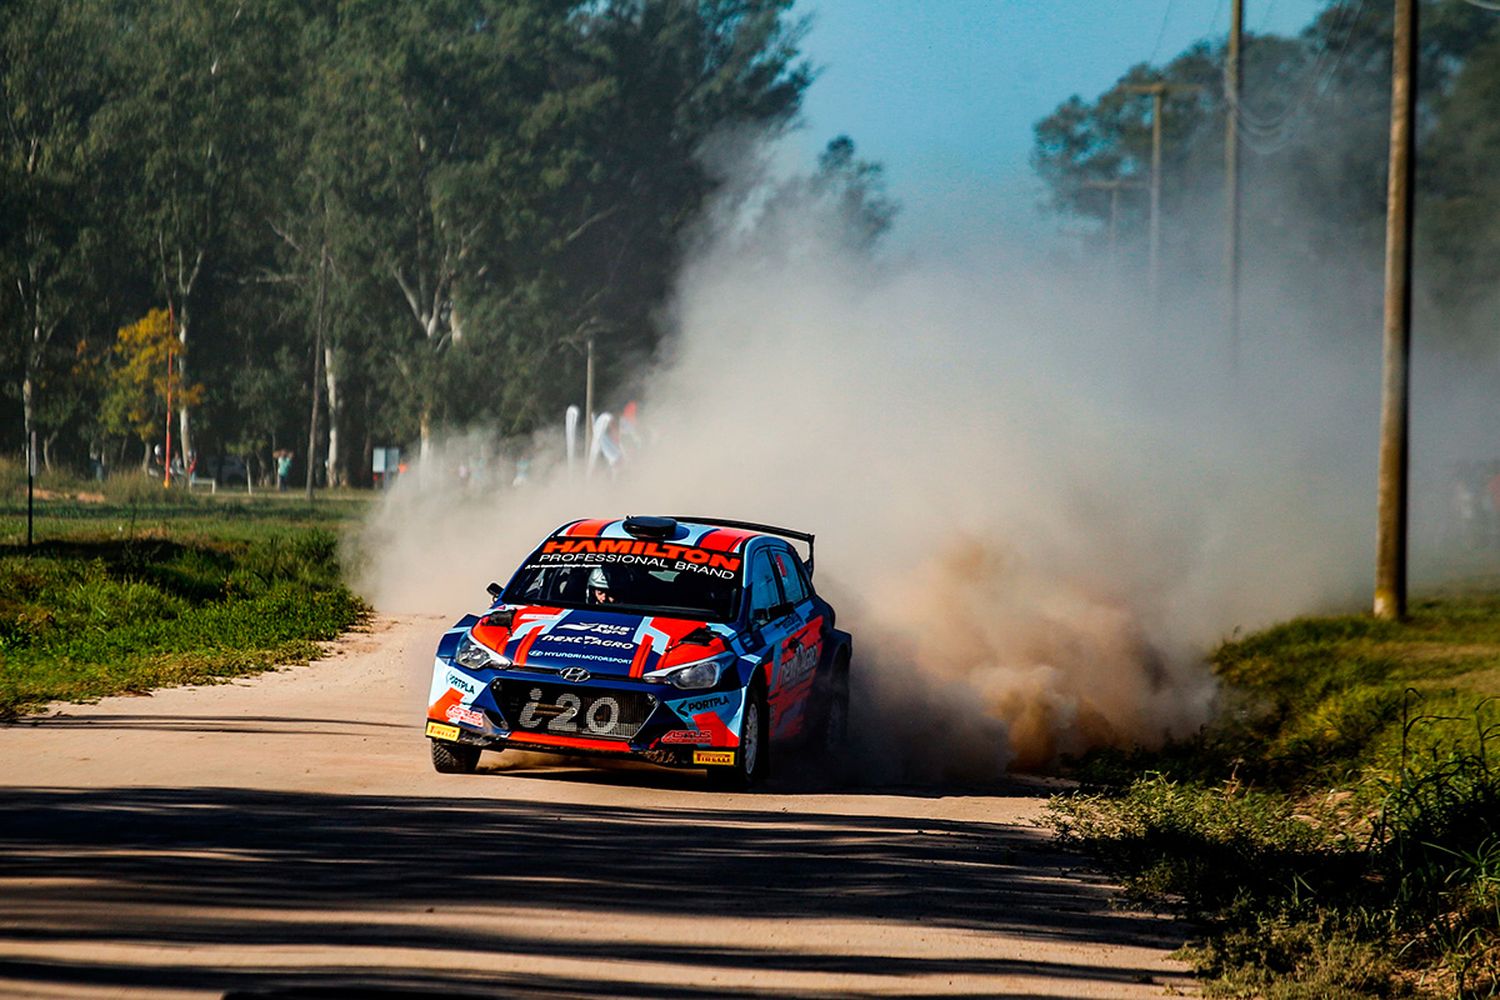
x: 800, y: 647
x: 767, y: 614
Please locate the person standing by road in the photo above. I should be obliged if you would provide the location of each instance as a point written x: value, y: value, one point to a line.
x: 283, y: 469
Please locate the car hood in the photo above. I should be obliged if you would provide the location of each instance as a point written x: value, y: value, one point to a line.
x: 607, y: 644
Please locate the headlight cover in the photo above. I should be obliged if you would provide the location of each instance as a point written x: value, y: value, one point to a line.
x: 692, y: 676
x: 476, y: 655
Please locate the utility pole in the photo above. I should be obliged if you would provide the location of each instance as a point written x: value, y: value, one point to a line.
x: 1114, y: 187
x: 1390, y: 570
x: 30, y: 483
x: 1232, y: 176
x: 1158, y: 92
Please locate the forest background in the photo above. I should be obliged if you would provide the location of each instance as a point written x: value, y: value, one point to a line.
x: 367, y: 222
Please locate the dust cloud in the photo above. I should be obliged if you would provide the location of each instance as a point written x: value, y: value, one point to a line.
x: 1038, y: 503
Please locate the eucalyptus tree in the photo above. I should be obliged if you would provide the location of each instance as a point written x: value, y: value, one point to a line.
x: 51, y: 81
x: 203, y: 86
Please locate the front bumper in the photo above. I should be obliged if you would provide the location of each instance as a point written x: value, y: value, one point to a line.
x: 536, y: 710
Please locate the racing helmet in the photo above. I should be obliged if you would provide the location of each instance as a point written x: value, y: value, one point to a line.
x: 598, y: 579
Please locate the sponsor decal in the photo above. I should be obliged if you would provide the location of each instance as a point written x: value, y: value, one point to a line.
x: 709, y: 703
x: 469, y: 717
x: 686, y: 736
x: 461, y: 683
x: 658, y: 555
x: 439, y: 731
x: 713, y: 758
x: 597, y: 642
x: 602, y: 627
x: 797, y: 664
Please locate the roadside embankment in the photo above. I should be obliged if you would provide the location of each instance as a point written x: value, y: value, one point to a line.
x: 1335, y: 832
x: 127, y: 594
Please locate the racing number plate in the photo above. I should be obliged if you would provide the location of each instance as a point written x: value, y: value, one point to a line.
x: 598, y: 714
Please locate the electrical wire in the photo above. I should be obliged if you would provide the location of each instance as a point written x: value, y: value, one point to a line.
x: 1266, y: 136
x: 1161, y: 35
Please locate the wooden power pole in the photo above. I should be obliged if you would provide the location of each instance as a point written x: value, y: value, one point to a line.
x: 1390, y: 571
x: 1158, y: 92
x: 1114, y: 187
x: 1232, y: 86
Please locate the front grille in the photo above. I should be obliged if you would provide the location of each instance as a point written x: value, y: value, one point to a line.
x: 563, y: 710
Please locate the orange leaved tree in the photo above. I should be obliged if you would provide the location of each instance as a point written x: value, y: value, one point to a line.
x: 143, y: 379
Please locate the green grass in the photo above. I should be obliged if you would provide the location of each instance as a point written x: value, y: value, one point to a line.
x: 138, y: 589
x: 1336, y: 830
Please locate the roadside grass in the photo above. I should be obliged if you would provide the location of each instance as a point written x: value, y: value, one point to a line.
x: 131, y: 589
x: 1335, y: 832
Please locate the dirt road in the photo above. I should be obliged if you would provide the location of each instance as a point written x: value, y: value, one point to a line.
x: 285, y: 836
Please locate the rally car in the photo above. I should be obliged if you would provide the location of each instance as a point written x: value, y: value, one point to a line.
x: 684, y: 641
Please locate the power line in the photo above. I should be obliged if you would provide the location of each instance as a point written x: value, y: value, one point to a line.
x: 1270, y: 135
x: 1161, y: 35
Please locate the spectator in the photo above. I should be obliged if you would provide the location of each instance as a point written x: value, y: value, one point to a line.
x: 283, y: 469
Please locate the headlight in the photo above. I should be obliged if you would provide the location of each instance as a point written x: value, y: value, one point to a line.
x: 476, y: 655
x: 691, y: 676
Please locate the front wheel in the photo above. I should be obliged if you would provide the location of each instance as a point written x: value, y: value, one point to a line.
x: 454, y: 758
x: 752, y: 759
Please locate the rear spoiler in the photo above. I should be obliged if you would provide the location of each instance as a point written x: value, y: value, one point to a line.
x: 769, y: 529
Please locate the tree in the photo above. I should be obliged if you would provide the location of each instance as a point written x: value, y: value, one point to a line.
x: 145, y: 379
x: 48, y: 96
x: 198, y: 107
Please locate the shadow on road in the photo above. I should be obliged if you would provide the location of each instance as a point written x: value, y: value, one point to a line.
x: 186, y: 869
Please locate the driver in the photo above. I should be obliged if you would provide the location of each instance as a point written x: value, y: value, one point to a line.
x: 599, y: 590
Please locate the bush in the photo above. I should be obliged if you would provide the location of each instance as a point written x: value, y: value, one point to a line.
x: 1336, y: 831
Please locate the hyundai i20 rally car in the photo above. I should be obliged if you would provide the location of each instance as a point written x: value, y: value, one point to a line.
x: 687, y: 642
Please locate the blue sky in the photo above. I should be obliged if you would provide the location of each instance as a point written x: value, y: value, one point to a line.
x: 945, y: 93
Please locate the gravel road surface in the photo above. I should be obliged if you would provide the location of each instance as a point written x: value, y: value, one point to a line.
x: 285, y: 836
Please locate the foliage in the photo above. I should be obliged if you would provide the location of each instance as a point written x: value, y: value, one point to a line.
x: 107, y: 603
x: 1336, y: 830
x: 425, y: 189
x: 146, y: 377
x: 1313, y: 123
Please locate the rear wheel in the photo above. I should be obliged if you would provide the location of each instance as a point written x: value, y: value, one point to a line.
x: 454, y: 758
x: 752, y: 759
x: 835, y: 711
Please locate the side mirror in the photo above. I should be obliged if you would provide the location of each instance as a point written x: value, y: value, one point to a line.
x: 495, y: 590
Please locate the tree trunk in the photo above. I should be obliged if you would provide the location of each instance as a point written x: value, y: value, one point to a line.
x: 367, y: 441
x: 27, y: 390
x: 317, y: 376
x: 424, y: 452
x: 336, y: 473
x: 184, y: 417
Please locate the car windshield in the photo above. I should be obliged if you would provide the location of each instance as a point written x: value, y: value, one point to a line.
x: 659, y: 579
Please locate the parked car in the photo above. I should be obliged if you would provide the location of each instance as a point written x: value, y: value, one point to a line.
x: 226, y: 470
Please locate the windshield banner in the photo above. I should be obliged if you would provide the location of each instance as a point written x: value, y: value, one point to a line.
x: 574, y: 551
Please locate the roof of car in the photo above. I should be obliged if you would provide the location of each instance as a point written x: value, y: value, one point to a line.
x: 704, y: 535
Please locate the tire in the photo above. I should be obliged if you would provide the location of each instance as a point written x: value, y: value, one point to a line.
x: 832, y: 735
x: 752, y: 760
x: 453, y: 758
